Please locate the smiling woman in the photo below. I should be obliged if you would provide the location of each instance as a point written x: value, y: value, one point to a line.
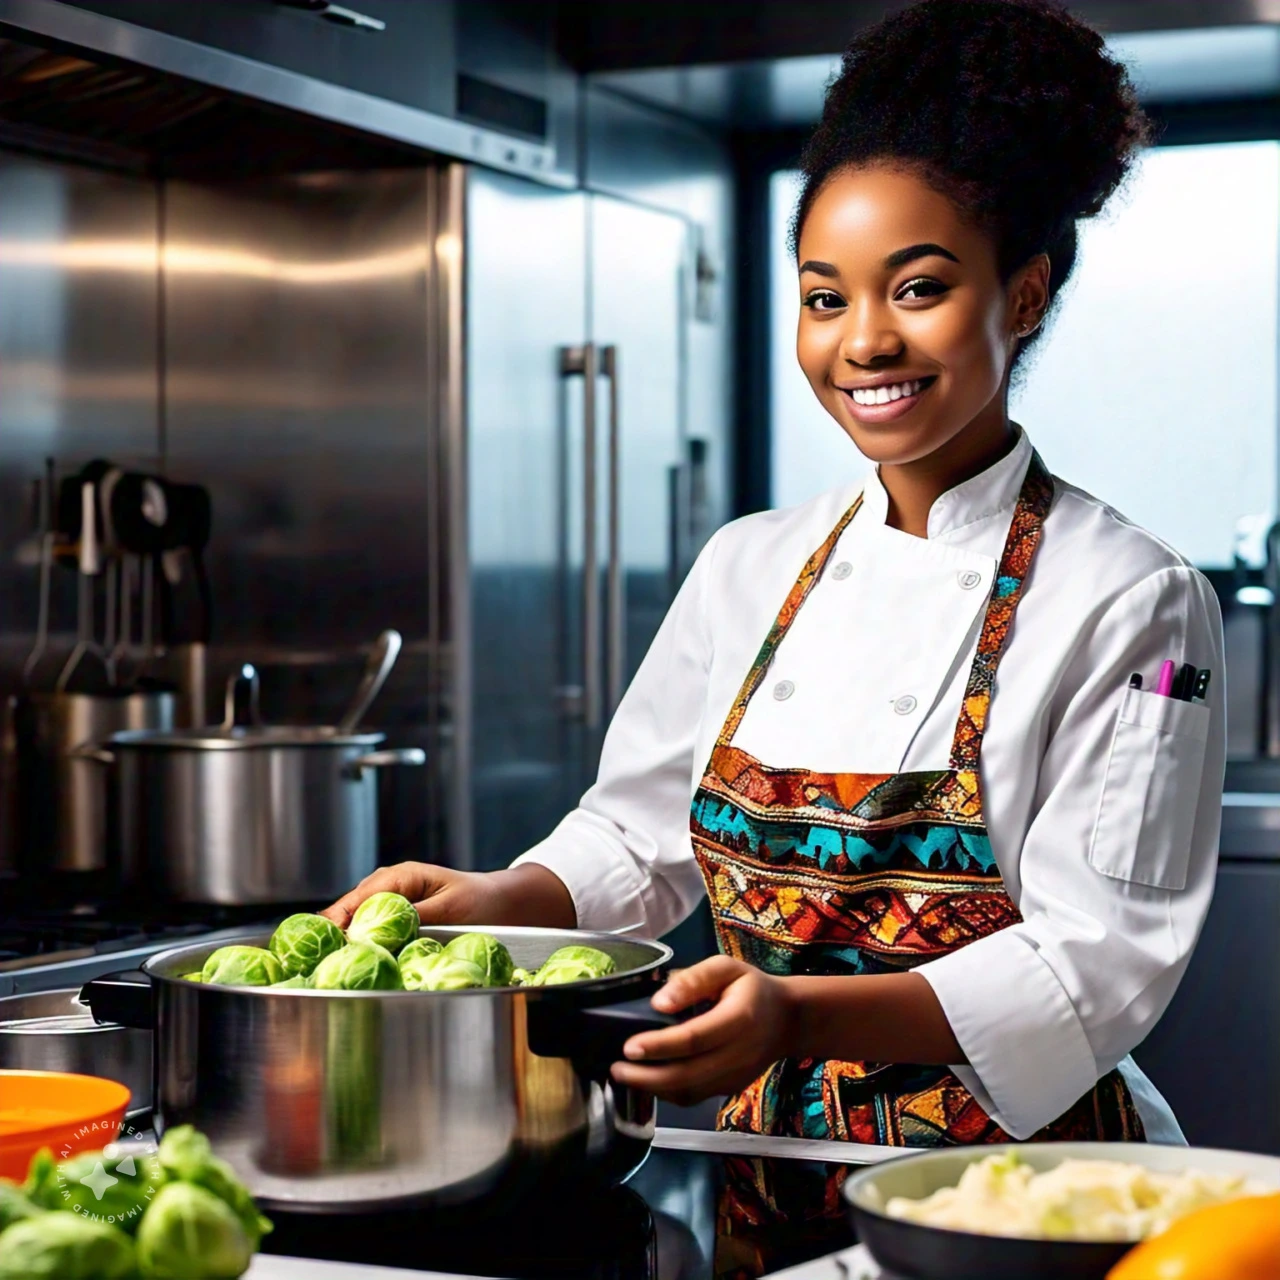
x: 901, y: 735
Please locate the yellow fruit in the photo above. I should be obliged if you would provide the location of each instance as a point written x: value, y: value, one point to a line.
x: 1239, y: 1240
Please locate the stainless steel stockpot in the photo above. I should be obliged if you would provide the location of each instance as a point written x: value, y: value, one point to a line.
x: 55, y: 1031
x: 335, y: 1100
x: 242, y: 815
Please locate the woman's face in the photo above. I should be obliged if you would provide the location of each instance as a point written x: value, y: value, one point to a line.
x: 901, y: 297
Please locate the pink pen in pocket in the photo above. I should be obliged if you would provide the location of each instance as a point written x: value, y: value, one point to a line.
x: 1164, y: 685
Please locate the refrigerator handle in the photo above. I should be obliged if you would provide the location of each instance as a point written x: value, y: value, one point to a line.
x: 615, y: 599
x: 583, y: 362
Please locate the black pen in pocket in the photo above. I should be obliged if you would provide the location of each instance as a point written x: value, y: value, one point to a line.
x: 1200, y: 691
x: 1183, y: 682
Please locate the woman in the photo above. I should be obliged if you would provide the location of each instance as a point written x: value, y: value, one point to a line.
x: 957, y: 864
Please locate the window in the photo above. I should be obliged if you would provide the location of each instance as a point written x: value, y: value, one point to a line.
x: 1155, y: 387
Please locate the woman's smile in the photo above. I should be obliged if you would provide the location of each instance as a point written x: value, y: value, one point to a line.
x: 884, y: 401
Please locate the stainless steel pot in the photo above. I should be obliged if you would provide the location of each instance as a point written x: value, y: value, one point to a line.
x: 62, y: 798
x: 327, y: 1100
x: 55, y: 1031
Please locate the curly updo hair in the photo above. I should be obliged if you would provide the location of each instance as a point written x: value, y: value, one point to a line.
x: 1013, y: 109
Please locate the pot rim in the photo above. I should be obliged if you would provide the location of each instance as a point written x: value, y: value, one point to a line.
x: 241, y: 738
x: 586, y: 986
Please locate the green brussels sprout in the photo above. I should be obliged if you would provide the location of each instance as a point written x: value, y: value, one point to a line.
x: 573, y: 964
x: 520, y: 977
x: 301, y: 941
x: 387, y: 919
x: 487, y: 952
x: 112, y: 1186
x: 189, y: 1234
x: 185, y: 1155
x: 420, y: 947
x: 15, y: 1204
x: 41, y: 1186
x: 242, y: 967
x: 442, y: 972
x: 299, y: 982
x: 359, y: 966
x: 192, y: 977
x: 66, y: 1246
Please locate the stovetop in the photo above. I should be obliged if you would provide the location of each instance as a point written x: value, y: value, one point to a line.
x: 686, y: 1215
x: 72, y: 917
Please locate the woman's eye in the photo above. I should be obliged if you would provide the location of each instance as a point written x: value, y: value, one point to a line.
x: 823, y: 300
x: 923, y: 287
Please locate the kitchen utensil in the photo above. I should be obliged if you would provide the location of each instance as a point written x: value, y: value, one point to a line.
x: 53, y: 1109
x: 241, y: 814
x: 382, y: 658
x: 55, y: 1031
x: 62, y: 798
x: 89, y: 563
x: 930, y: 1253
x: 362, y: 1100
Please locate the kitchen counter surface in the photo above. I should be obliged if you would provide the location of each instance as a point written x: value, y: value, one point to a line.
x: 692, y: 1212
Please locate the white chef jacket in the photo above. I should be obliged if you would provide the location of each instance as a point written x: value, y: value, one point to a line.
x: 1102, y: 803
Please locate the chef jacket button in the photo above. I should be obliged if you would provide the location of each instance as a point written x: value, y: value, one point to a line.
x: 783, y: 690
x: 905, y: 705
x: 968, y: 578
x: 841, y: 571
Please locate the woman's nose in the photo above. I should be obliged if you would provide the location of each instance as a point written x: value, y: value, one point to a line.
x: 869, y: 335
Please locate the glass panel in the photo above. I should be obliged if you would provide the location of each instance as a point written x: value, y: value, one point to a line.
x: 1156, y: 388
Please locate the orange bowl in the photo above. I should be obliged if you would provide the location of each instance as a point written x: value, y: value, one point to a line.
x: 58, y: 1110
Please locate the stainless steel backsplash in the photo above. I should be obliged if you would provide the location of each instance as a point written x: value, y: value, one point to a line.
x: 273, y: 341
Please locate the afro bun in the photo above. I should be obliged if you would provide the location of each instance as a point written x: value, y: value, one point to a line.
x: 1011, y: 108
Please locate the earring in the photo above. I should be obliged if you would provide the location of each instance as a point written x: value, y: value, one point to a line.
x: 1028, y: 328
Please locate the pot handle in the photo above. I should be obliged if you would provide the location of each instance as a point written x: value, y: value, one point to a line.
x: 595, y: 1035
x: 385, y: 759
x: 92, y: 752
x: 123, y: 998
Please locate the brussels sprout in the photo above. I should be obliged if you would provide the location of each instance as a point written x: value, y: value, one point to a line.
x: 111, y: 1186
x: 299, y: 982
x: 359, y: 966
x: 301, y: 941
x: 486, y: 951
x: 66, y: 1246
x: 573, y: 964
x: 521, y: 977
x: 15, y: 1204
x: 189, y: 1234
x: 242, y: 967
x: 442, y: 972
x: 387, y: 919
x: 186, y: 1155
x: 41, y: 1186
x: 192, y: 977
x: 420, y: 947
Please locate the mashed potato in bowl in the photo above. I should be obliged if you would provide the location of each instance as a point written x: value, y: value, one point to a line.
x: 1076, y: 1200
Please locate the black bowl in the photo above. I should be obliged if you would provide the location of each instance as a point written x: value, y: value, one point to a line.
x: 918, y: 1252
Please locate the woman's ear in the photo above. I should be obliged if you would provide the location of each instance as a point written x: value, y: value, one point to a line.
x: 1029, y: 296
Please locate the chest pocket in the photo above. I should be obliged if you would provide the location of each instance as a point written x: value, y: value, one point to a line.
x: 1148, y: 809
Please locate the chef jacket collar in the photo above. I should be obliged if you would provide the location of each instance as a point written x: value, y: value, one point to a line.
x: 987, y: 494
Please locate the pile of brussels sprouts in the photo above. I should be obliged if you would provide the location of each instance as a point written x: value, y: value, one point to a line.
x: 381, y: 951
x: 176, y: 1213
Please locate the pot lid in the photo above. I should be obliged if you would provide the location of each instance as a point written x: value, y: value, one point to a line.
x: 243, y: 737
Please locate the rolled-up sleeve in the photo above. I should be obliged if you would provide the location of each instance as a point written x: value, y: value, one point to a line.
x: 625, y: 854
x: 1116, y: 870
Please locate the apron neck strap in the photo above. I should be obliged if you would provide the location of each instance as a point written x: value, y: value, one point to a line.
x: 1020, y: 546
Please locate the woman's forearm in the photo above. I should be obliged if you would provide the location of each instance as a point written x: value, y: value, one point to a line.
x: 892, y: 1017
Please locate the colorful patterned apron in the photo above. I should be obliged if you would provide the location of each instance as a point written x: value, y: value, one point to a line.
x: 853, y: 873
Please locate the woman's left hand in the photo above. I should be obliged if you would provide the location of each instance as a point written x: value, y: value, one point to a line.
x: 720, y: 1051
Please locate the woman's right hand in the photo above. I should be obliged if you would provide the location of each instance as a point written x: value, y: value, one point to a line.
x: 529, y: 895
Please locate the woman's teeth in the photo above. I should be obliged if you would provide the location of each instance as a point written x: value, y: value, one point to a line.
x: 882, y: 395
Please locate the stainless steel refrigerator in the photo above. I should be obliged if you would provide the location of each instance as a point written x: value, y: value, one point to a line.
x: 582, y: 489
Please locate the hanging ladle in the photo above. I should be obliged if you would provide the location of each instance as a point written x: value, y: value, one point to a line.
x: 386, y: 649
